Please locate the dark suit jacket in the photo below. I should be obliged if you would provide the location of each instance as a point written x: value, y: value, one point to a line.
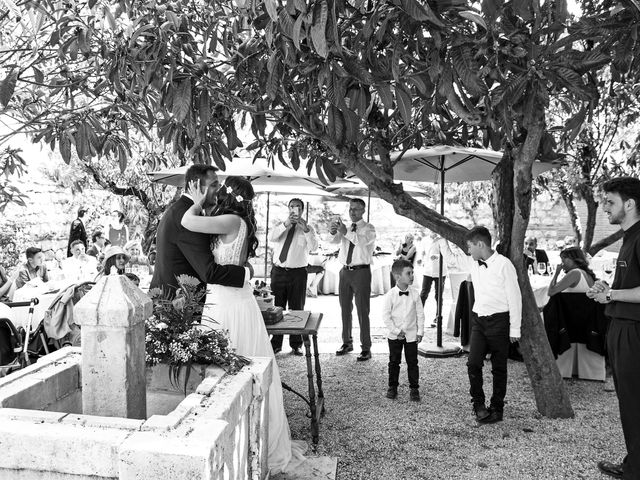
x: 181, y: 252
x: 575, y: 318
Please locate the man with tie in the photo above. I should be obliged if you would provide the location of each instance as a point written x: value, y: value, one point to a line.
x: 356, y: 251
x: 293, y: 240
x: 498, y: 306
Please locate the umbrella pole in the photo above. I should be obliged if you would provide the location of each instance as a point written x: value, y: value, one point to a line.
x: 307, y: 217
x: 440, y: 261
x: 440, y: 350
x: 368, y: 204
x: 266, y: 241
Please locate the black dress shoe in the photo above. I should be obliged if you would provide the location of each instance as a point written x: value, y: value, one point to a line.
x: 344, y: 349
x: 494, y: 417
x: 612, y: 469
x: 364, y: 355
x: 414, y: 395
x: 392, y: 393
x: 296, y: 351
x: 277, y: 350
x: 480, y: 411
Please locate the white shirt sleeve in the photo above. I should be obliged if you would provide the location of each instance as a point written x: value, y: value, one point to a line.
x: 419, y: 313
x: 387, y: 305
x: 514, y: 298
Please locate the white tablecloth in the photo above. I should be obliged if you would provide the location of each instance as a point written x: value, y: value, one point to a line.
x: 540, y: 286
x: 380, y: 275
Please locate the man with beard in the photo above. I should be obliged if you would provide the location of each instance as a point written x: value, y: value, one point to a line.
x: 622, y: 205
x: 182, y: 252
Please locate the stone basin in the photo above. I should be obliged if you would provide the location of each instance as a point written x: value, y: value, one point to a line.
x: 218, y: 430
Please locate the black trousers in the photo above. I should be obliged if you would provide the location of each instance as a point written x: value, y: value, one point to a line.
x: 355, y: 283
x: 426, y: 287
x: 410, y: 356
x: 289, y: 288
x: 623, y: 346
x: 489, y: 335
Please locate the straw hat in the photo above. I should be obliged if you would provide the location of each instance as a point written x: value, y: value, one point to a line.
x: 112, y: 251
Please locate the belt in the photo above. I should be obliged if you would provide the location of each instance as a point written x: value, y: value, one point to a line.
x: 494, y: 315
x: 287, y: 269
x: 355, y: 267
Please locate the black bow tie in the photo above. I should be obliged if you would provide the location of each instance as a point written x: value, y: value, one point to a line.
x: 400, y: 293
x: 482, y: 263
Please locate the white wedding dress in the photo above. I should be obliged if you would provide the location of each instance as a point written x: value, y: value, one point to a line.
x: 236, y: 310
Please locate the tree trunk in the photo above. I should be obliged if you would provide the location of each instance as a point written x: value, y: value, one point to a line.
x: 502, y: 204
x: 549, y: 390
x: 605, y: 242
x: 569, y: 201
x: 403, y: 204
x: 592, y: 211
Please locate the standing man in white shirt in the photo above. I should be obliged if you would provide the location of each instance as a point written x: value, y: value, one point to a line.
x: 357, y: 243
x: 293, y: 240
x: 498, y: 306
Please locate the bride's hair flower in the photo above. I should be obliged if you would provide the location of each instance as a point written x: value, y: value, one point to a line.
x: 229, y: 189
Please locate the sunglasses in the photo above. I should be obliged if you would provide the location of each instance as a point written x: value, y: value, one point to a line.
x: 121, y: 257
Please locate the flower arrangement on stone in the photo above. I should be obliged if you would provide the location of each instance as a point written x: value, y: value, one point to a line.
x: 175, y: 335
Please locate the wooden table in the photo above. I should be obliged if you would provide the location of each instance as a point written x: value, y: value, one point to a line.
x: 307, y: 324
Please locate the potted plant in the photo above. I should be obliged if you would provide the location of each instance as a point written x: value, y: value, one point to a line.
x: 176, y: 337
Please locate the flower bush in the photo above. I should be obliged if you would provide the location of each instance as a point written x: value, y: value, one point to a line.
x: 175, y: 335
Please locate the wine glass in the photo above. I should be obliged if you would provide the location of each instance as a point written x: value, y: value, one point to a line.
x: 542, y: 268
x: 609, y: 269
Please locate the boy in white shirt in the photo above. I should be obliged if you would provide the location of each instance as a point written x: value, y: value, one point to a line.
x: 403, y: 316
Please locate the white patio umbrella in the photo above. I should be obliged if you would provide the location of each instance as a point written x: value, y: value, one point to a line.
x: 442, y: 164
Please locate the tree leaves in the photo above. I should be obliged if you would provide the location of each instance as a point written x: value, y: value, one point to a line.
x: 404, y: 104
x: 384, y: 91
x: 272, y: 9
x: 318, y: 29
x: 421, y: 12
x: 467, y: 69
x: 7, y: 87
x: 182, y: 100
x: 474, y: 17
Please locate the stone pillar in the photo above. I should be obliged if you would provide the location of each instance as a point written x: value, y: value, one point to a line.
x: 112, y: 318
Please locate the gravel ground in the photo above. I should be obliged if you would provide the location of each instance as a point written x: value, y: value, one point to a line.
x: 377, y: 438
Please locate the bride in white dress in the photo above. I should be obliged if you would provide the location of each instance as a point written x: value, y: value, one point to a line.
x: 235, y: 309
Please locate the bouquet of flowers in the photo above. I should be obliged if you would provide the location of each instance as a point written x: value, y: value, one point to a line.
x: 175, y: 335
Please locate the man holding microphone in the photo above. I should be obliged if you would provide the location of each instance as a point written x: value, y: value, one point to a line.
x: 293, y: 240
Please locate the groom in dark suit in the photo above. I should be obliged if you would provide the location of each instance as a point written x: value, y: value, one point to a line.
x: 182, y: 252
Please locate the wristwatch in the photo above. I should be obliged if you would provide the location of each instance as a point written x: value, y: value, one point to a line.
x: 607, y: 297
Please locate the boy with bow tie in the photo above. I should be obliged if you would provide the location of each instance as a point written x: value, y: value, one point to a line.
x: 498, y: 309
x: 403, y: 316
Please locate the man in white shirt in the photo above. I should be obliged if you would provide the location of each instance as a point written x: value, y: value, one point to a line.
x: 498, y: 306
x: 431, y: 271
x: 356, y: 252
x: 79, y: 267
x: 293, y: 240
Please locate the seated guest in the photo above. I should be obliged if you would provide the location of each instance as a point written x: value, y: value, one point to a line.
x: 138, y: 263
x: 533, y: 255
x: 6, y: 283
x: 407, y: 250
x: 114, y: 257
x: 98, y: 245
x: 578, y: 278
x: 33, y: 269
x: 80, y: 267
